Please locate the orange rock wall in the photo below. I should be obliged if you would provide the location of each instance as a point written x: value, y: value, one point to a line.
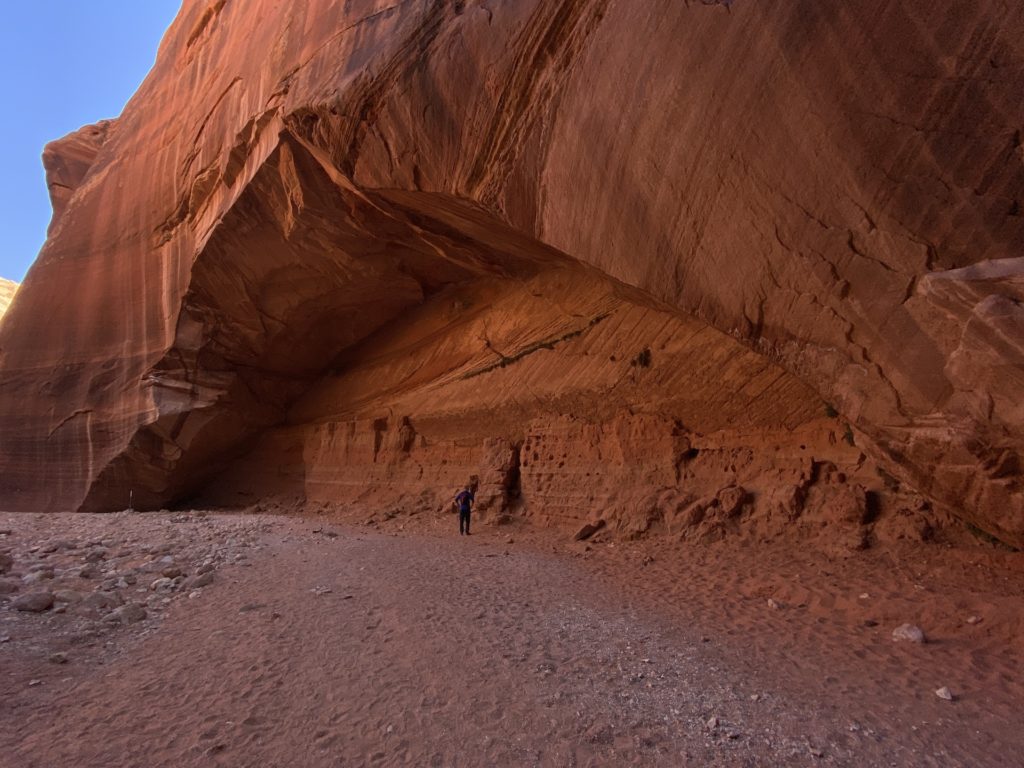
x: 836, y: 186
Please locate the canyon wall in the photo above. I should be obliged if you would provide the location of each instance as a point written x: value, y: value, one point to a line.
x: 825, y: 197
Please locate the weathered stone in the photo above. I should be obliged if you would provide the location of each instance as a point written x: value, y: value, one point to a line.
x: 588, y: 530
x: 130, y: 613
x: 33, y: 602
x: 201, y: 580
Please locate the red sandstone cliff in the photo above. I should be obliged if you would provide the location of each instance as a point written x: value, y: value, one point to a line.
x: 624, y: 229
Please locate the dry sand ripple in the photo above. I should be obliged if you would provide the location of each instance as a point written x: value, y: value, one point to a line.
x: 362, y: 648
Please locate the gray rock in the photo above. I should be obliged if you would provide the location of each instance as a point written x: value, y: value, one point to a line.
x: 58, y: 658
x: 103, y: 601
x: 202, y: 580
x: 60, y: 545
x: 908, y: 633
x: 34, y: 602
x: 37, y: 576
x: 126, y: 614
x: 96, y: 555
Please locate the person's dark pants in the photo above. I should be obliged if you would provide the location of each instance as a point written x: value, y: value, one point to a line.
x: 463, y: 521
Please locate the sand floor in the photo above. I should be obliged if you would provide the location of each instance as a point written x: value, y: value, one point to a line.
x: 326, y: 644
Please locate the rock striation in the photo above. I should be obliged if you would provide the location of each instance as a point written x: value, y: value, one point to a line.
x: 687, y: 263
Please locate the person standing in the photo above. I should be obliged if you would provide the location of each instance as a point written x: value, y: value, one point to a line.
x: 464, y: 501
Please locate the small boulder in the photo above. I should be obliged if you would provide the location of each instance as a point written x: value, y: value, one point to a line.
x: 908, y: 633
x: 588, y: 530
x: 34, y: 602
x: 96, y: 555
x: 202, y: 580
x: 38, y: 576
x: 130, y: 613
x: 101, y: 601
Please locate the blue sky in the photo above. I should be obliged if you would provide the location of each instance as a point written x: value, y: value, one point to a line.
x: 66, y: 63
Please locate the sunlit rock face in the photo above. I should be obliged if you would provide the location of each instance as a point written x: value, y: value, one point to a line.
x: 373, y: 248
x: 7, y: 290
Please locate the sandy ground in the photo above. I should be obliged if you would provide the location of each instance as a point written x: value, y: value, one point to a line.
x: 317, y: 643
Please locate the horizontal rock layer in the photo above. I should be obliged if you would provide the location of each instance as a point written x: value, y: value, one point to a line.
x: 836, y: 190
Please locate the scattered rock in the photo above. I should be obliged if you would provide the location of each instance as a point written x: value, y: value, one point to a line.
x: 321, y: 590
x: 974, y: 620
x: 9, y: 586
x: 588, y: 530
x: 37, y: 576
x: 96, y: 555
x: 162, y: 585
x: 59, y: 658
x: 944, y: 693
x: 58, y: 546
x: 171, y: 571
x: 712, y: 723
x: 34, y: 682
x: 908, y: 633
x: 6, y: 562
x: 102, y: 601
x: 34, y: 602
x: 200, y: 580
x: 773, y: 604
x: 129, y: 613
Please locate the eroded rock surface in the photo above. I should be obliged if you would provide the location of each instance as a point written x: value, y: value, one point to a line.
x: 372, y: 249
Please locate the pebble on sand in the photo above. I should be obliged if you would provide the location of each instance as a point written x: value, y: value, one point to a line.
x: 944, y: 693
x: 908, y: 633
